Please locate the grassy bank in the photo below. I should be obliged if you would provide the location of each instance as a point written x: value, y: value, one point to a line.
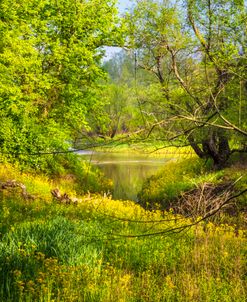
x: 51, y: 251
x: 164, y: 189
x: 149, y: 149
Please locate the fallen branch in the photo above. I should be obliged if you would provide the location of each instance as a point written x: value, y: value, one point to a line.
x: 11, y: 184
x: 64, y: 198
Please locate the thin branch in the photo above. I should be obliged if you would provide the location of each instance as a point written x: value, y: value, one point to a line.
x: 146, y: 221
x: 179, y: 78
x: 192, y: 119
x: 186, y: 226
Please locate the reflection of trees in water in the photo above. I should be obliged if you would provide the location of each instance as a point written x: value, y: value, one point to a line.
x: 128, y: 178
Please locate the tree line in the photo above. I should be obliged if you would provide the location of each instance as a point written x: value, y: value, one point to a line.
x: 181, y: 78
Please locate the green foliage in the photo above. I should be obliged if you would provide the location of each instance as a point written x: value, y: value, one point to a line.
x: 120, y: 97
x: 50, y: 66
x: 89, y: 178
x: 130, y: 96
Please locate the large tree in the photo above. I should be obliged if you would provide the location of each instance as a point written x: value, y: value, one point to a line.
x: 197, y: 52
x: 50, y: 66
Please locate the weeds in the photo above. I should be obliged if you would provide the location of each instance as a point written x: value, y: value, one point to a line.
x: 57, y: 252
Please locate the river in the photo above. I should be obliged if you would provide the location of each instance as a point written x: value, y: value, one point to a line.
x: 128, y: 171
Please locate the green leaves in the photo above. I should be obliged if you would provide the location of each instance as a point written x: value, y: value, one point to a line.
x: 50, y: 67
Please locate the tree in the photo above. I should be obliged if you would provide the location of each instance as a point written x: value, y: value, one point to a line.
x: 50, y: 67
x: 199, y: 59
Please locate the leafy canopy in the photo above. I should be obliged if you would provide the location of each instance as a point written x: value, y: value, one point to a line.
x: 50, y: 67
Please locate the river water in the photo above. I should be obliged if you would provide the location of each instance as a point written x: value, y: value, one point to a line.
x: 128, y: 171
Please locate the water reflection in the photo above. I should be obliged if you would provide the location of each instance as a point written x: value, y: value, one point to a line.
x: 127, y: 171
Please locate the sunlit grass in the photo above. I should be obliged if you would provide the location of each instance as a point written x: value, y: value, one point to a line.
x: 149, y: 149
x: 84, y: 252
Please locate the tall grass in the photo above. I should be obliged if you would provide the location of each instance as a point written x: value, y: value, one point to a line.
x: 57, y: 252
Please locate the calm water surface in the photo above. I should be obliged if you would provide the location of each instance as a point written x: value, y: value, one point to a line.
x: 128, y: 171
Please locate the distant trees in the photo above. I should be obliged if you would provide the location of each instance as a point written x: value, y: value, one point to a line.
x: 121, y: 105
x: 197, y: 53
x: 129, y: 96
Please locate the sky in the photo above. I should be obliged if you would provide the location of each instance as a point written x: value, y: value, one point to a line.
x: 123, y: 4
x: 110, y: 51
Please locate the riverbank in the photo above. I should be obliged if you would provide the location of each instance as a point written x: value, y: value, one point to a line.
x: 165, y: 189
x: 99, y: 249
x: 149, y: 149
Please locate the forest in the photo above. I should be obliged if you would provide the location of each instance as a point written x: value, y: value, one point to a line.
x: 175, y: 88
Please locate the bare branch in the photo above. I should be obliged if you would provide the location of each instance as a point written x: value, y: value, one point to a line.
x: 196, y: 120
x: 176, y: 72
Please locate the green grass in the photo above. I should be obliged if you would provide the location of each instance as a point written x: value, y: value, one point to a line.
x: 147, y: 148
x: 57, y: 252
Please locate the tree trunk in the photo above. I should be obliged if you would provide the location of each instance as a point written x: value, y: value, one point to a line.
x: 215, y: 146
x: 196, y: 147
